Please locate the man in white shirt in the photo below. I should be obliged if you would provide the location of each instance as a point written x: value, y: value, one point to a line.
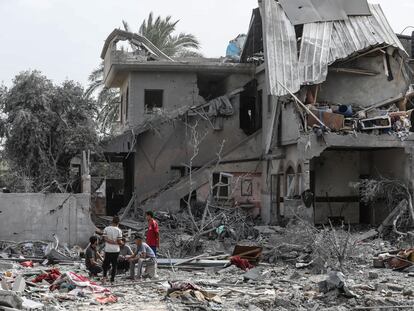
x: 112, y: 235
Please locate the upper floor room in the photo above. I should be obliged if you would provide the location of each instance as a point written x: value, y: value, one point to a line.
x: 151, y: 83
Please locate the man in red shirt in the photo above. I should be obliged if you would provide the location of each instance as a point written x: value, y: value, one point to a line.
x: 153, y: 233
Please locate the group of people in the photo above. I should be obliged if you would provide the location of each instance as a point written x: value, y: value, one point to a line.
x: 119, y: 256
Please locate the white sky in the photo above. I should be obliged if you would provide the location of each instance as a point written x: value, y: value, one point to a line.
x: 64, y: 38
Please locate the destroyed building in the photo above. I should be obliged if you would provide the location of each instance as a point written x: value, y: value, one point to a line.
x: 162, y: 100
x: 317, y: 102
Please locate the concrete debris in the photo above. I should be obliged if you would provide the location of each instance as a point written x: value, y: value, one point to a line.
x: 31, y: 304
x: 372, y: 275
x: 335, y: 281
x: 19, y: 284
x: 10, y: 299
x: 206, y: 281
x: 254, y: 274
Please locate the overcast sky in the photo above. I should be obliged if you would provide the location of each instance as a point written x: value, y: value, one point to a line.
x: 64, y: 38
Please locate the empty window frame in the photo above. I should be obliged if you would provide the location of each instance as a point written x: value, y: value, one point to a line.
x: 251, y: 108
x: 153, y: 99
x: 247, y: 187
x: 222, y: 185
x: 290, y: 183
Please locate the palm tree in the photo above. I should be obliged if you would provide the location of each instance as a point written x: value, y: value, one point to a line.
x: 161, y: 32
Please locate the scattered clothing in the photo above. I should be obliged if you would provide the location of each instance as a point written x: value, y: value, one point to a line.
x: 50, y: 276
x: 107, y: 299
x: 27, y: 264
x: 241, y: 263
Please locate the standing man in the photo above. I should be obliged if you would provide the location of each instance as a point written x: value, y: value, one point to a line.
x: 92, y: 256
x: 153, y: 233
x: 112, y: 236
x: 143, y: 253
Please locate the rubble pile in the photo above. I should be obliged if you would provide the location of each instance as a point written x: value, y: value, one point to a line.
x: 276, y: 269
x: 349, y: 119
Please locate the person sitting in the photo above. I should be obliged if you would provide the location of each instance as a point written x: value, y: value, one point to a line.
x: 92, y: 257
x: 124, y: 253
x: 142, y: 254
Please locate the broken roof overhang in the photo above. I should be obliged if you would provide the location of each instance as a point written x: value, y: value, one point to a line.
x: 120, y: 144
x: 322, y: 44
x: 124, y: 143
x: 135, y: 39
x: 217, y: 68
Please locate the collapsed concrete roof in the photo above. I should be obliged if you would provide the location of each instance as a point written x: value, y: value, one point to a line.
x: 146, y: 57
x: 322, y: 44
x: 134, y: 39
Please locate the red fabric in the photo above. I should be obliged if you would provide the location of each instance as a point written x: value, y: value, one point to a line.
x: 27, y: 264
x: 241, y: 263
x: 50, y: 276
x: 106, y: 299
x: 152, y: 233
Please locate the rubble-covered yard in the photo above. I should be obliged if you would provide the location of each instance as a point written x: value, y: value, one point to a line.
x: 301, y: 267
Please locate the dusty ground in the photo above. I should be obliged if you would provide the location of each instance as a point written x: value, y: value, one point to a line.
x: 279, y: 287
x: 277, y: 283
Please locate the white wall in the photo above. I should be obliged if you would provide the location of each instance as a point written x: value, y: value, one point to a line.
x: 36, y: 216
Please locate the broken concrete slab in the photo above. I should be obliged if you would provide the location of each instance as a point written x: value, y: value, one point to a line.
x: 4, y: 266
x: 395, y: 287
x: 31, y: 304
x: 254, y: 274
x: 4, y: 285
x: 335, y: 280
x: 19, y: 284
x: 10, y: 299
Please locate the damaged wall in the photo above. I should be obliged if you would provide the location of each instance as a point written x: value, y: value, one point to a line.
x: 245, y: 189
x: 37, y: 216
x: 335, y: 170
x: 162, y: 154
x: 179, y: 88
x: 290, y: 130
x: 365, y: 90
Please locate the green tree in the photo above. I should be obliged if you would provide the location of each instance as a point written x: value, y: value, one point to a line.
x: 162, y: 33
x: 108, y: 101
x: 45, y: 126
